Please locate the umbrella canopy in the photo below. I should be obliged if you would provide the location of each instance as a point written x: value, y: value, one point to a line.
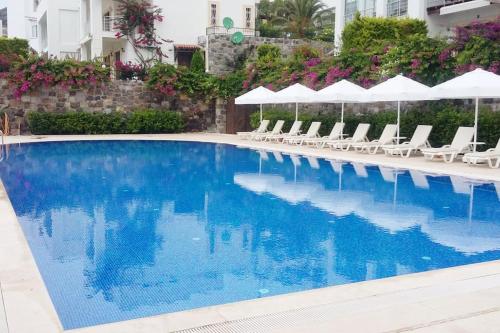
x: 341, y: 92
x: 476, y: 84
x: 472, y: 85
x: 257, y: 96
x: 398, y: 89
x: 296, y: 93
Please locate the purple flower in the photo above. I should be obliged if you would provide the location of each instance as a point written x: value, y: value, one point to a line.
x: 336, y: 73
x: 312, y: 62
x: 415, y: 63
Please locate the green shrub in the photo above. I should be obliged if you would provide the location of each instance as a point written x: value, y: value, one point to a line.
x: 445, y: 120
x: 141, y: 121
x: 198, y: 62
x: 14, y: 46
x: 364, y: 31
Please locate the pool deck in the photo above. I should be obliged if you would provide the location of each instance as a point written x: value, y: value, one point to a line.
x: 458, y: 299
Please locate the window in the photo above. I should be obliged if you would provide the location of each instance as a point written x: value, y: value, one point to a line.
x: 397, y: 8
x: 213, y: 15
x: 364, y: 7
x: 351, y: 7
x: 248, y: 18
x: 32, y: 28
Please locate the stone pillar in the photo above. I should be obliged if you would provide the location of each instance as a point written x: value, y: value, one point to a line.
x: 220, y: 115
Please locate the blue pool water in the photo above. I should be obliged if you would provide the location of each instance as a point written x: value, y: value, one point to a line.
x: 122, y: 230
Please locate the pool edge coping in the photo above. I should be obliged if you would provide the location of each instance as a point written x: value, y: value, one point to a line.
x: 44, y: 317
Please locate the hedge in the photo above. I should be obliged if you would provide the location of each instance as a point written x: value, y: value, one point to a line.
x: 140, y: 121
x: 14, y: 46
x: 444, y: 119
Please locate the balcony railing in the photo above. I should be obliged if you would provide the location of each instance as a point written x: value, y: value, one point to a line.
x: 4, y: 31
x: 435, y: 5
x: 108, y: 23
x: 218, y: 30
x: 70, y: 55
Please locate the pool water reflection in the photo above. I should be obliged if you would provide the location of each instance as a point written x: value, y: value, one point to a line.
x: 128, y: 229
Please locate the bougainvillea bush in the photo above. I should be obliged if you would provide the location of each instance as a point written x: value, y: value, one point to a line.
x: 375, y: 49
x: 35, y: 72
x: 129, y: 71
x: 136, y: 23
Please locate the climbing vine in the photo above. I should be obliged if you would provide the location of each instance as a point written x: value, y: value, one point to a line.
x: 136, y: 24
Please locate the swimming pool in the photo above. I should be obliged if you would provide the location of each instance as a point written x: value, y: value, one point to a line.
x: 127, y: 229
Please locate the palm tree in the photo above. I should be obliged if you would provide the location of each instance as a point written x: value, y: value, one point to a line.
x: 304, y: 15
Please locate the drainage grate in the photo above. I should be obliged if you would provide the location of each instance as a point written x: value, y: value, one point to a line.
x: 278, y: 322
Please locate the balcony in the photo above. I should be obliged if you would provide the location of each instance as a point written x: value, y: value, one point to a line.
x: 108, y: 23
x: 219, y: 30
x: 70, y: 55
x: 3, y: 32
x: 444, y: 6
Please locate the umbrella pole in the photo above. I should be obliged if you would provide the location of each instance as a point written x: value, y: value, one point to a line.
x: 476, y: 119
x: 399, y: 121
x: 342, y: 121
x: 296, y: 111
x: 261, y: 113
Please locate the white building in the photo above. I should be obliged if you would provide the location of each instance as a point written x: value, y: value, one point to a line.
x: 185, y: 24
x: 50, y: 26
x: 441, y: 16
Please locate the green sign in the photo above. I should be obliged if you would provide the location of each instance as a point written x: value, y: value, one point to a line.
x: 228, y: 23
x: 237, y: 38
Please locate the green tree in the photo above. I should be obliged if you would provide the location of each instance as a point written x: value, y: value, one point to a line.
x: 197, y: 62
x: 304, y: 16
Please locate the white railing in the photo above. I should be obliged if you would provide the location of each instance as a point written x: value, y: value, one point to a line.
x: 442, y: 3
x: 108, y: 23
x: 219, y: 30
x: 70, y: 55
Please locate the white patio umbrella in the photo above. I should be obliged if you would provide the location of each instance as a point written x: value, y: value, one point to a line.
x: 398, y: 89
x: 472, y: 85
x: 296, y: 93
x: 257, y: 96
x: 341, y: 92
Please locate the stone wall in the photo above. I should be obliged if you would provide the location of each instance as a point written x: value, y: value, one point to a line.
x: 117, y: 96
x: 223, y: 55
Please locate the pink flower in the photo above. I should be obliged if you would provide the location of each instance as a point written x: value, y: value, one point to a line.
x: 336, y: 73
x: 415, y: 63
x: 312, y: 62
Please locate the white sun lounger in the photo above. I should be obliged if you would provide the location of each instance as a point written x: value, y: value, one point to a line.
x: 389, y: 174
x: 488, y: 156
x: 337, y: 166
x: 313, y: 162
x: 419, y: 140
x: 335, y: 134
x: 277, y: 129
x: 312, y: 132
x: 388, y: 135
x: 295, y: 160
x: 419, y: 179
x: 358, y: 136
x: 294, y: 131
x: 261, y: 129
x: 360, y: 170
x: 278, y: 157
x: 460, y: 144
